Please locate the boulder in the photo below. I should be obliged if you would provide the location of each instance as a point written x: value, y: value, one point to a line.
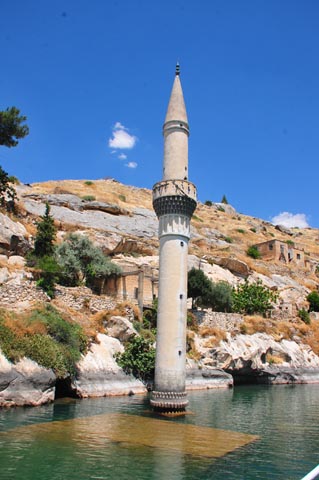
x: 25, y: 383
x: 120, y: 328
x: 12, y: 236
x: 98, y: 374
x: 17, y: 261
x: 237, y: 267
x: 283, y: 229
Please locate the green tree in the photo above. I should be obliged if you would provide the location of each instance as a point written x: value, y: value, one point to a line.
x: 313, y: 299
x: 42, y: 256
x: 45, y: 236
x: 220, y: 298
x: 12, y: 127
x: 198, y: 287
x: 250, y: 298
x: 7, y: 192
x: 138, y: 359
x: 80, y: 260
x: 224, y: 200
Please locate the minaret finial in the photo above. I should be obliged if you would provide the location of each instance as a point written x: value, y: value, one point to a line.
x: 177, y: 69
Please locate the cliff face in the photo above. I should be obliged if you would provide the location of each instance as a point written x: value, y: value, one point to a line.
x: 121, y: 221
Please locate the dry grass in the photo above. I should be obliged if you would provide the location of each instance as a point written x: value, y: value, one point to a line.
x: 274, y: 359
x: 213, y: 335
x: 254, y: 324
x: 109, y: 191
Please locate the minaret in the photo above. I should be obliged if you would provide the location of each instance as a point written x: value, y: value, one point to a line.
x: 174, y: 201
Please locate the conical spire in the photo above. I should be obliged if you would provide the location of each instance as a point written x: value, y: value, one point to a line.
x: 176, y: 108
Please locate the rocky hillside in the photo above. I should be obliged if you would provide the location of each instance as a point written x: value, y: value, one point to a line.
x: 120, y: 220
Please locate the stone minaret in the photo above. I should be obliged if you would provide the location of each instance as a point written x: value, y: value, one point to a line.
x: 174, y: 201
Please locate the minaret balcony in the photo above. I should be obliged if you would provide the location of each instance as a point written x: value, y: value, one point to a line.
x: 174, y: 197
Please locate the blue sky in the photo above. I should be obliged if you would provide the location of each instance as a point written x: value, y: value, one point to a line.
x: 95, y: 76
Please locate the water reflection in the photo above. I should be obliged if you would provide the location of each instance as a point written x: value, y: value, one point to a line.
x: 118, y: 438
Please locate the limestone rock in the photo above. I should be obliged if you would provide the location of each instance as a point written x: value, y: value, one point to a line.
x: 237, y: 267
x: 259, y: 356
x: 17, y: 261
x: 120, y: 328
x: 142, y: 222
x: 11, y: 234
x: 104, y: 207
x: 226, y: 207
x: 25, y: 384
x: 214, y: 272
x: 4, y: 275
x: 99, y: 375
x: 199, y: 377
x: 283, y: 229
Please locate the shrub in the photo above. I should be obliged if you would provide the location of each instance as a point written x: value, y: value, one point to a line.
x: 58, y: 346
x: 13, y: 179
x: 88, y: 198
x: 122, y: 198
x: 241, y: 230
x: 80, y: 260
x: 228, y: 239
x: 138, y: 359
x: 313, y: 299
x: 220, y: 208
x: 220, y: 298
x: 209, y: 203
x: 50, y: 272
x: 250, y: 298
x: 304, y: 316
x: 88, y: 183
x: 253, y: 252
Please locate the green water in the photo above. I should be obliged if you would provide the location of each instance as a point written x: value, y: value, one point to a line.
x: 285, y: 418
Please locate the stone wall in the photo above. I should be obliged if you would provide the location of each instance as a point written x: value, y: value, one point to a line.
x: 229, y: 322
x: 19, y: 294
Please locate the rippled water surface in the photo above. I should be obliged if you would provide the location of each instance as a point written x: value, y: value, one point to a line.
x: 263, y: 433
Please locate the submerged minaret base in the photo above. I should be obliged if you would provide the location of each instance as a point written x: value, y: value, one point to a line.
x: 174, y: 201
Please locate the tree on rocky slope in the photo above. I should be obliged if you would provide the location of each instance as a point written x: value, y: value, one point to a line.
x: 81, y: 261
x: 250, y: 298
x: 42, y: 257
x: 12, y: 127
x: 198, y: 288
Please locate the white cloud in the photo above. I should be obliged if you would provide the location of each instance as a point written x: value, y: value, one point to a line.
x: 119, y: 126
x: 131, y: 164
x: 121, y: 138
x: 122, y: 156
x: 291, y: 220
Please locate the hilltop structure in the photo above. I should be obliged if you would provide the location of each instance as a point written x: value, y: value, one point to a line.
x: 174, y: 201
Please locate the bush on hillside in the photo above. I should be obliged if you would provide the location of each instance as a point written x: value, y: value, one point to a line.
x: 80, y: 261
x: 220, y: 298
x: 138, y: 359
x: 313, y: 299
x: 55, y: 342
x: 253, y: 252
x: 250, y: 298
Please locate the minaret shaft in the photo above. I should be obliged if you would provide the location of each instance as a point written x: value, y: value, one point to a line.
x: 174, y: 201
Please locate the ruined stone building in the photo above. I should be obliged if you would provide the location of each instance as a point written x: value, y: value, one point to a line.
x: 282, y: 251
